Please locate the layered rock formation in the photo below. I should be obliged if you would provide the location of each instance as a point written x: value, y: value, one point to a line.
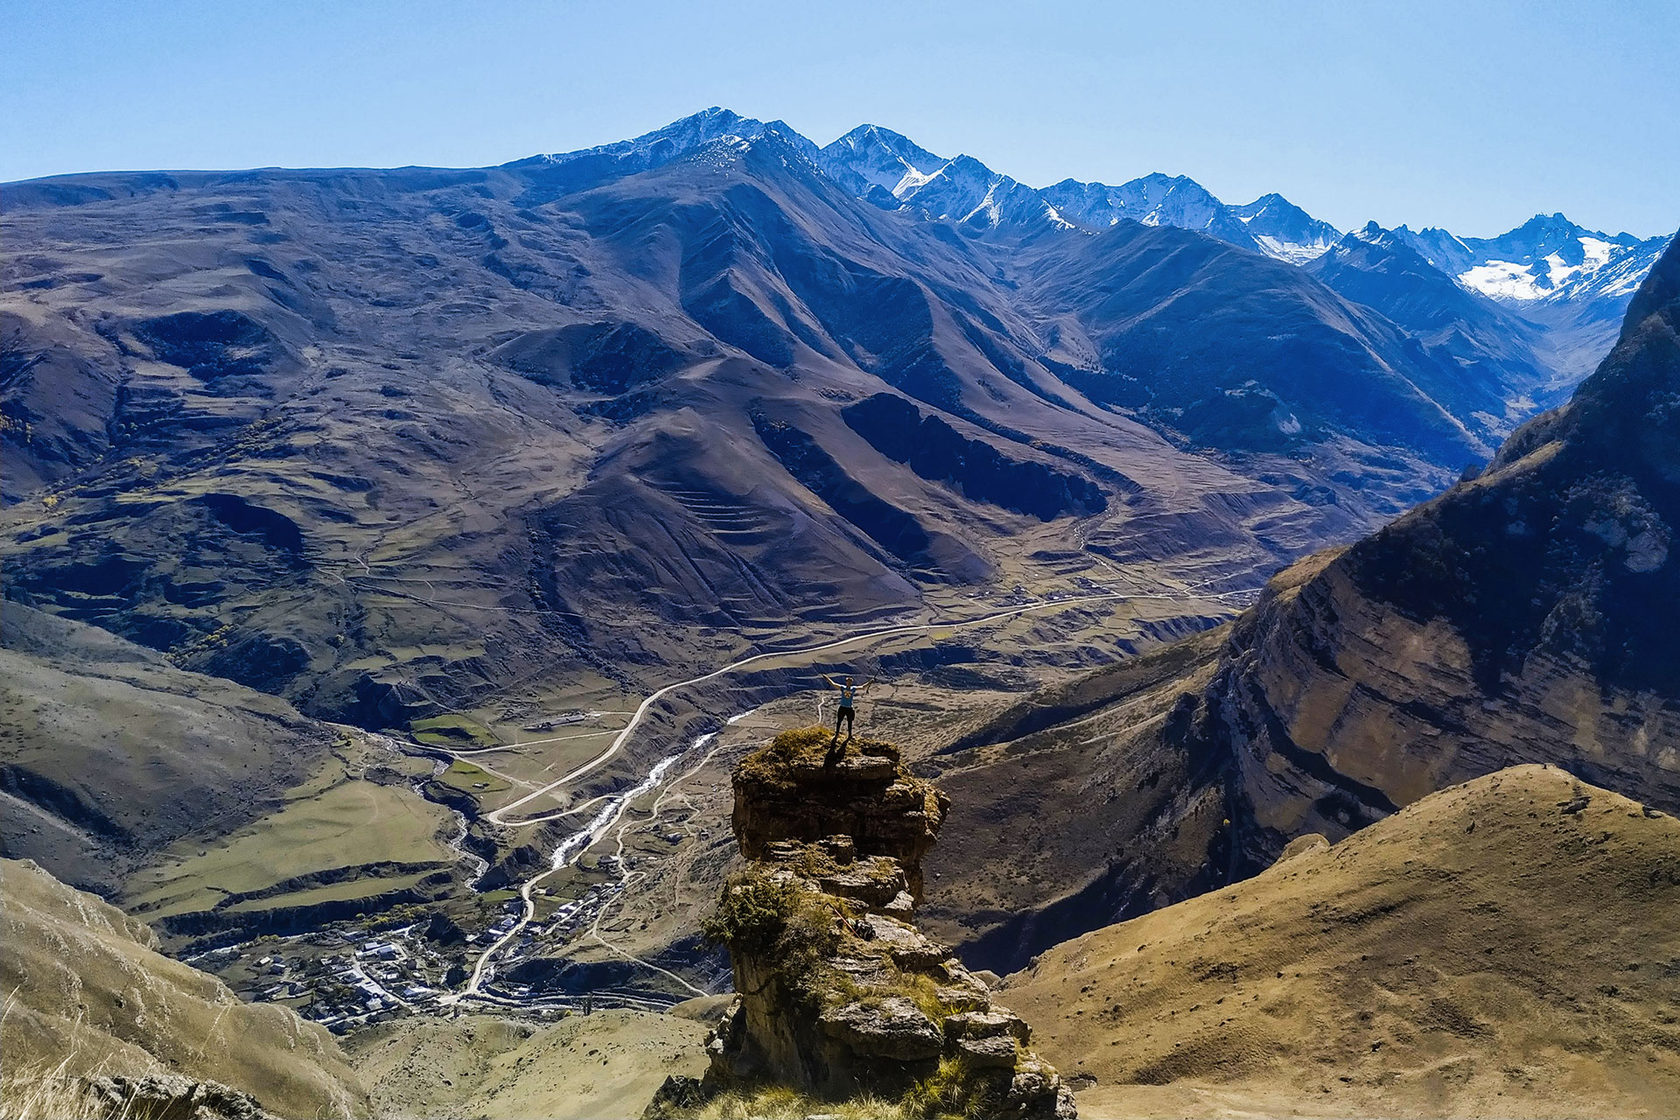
x: 840, y: 994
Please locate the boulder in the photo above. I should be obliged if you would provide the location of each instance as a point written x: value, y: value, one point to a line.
x: 893, y: 1028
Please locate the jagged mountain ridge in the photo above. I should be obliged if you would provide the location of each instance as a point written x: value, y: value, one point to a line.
x: 1383, y: 270
x: 1563, y: 287
x: 1546, y: 258
x: 1570, y: 282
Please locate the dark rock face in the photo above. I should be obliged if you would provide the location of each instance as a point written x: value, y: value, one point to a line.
x: 211, y: 345
x: 840, y: 994
x: 169, y: 1096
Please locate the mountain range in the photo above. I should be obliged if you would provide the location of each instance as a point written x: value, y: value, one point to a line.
x: 1546, y: 259
x: 1514, y: 619
x: 396, y: 444
x: 379, y: 543
x: 1562, y: 286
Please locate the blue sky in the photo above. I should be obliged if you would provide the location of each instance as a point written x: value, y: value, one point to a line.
x: 1470, y: 115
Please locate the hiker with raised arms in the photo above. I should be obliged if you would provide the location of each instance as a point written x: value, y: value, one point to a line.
x: 848, y: 703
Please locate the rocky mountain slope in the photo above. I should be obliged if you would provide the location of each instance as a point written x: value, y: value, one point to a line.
x: 1383, y: 270
x: 387, y: 442
x: 1518, y: 618
x: 87, y: 996
x: 1501, y: 948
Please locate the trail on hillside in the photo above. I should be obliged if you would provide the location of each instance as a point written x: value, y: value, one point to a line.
x: 613, y: 806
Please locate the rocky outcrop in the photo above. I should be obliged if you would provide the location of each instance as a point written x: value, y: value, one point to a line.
x: 856, y: 800
x: 840, y: 994
x: 169, y: 1096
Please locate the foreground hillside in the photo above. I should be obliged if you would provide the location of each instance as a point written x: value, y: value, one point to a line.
x: 1503, y: 948
x: 604, y: 1065
x: 86, y: 994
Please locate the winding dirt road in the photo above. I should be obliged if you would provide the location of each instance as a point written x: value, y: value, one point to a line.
x: 620, y: 803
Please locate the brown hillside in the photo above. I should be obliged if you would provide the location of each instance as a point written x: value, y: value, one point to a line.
x: 582, y: 1068
x: 84, y: 986
x: 1507, y: 947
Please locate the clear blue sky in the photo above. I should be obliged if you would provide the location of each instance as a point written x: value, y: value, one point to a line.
x: 1467, y: 114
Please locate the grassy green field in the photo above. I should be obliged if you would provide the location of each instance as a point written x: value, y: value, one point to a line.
x: 360, y: 887
x: 454, y: 730
x: 472, y: 779
x: 333, y: 820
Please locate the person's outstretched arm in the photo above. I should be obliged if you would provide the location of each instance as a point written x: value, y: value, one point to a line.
x: 829, y: 679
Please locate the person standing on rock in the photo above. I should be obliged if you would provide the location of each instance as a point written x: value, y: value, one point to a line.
x: 848, y: 703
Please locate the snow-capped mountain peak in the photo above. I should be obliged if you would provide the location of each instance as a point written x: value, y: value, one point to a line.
x: 1549, y: 257
x: 1155, y: 199
x: 1546, y: 258
x: 1284, y: 230
x: 881, y: 158
x: 675, y: 139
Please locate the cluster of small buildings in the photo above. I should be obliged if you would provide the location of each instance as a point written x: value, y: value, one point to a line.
x: 357, y: 978
x: 347, y: 976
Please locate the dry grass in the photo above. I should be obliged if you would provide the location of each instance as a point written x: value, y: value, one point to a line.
x: 785, y: 1104
x: 87, y: 989
x: 45, y: 1090
x: 48, y: 1093
x: 1501, y: 948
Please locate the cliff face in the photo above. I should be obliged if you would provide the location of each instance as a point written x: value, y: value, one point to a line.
x: 1527, y: 615
x: 804, y: 790
x: 840, y: 994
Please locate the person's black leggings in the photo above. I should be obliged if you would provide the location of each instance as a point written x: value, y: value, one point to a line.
x: 843, y: 714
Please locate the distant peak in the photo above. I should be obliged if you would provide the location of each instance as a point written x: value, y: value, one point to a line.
x: 716, y: 113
